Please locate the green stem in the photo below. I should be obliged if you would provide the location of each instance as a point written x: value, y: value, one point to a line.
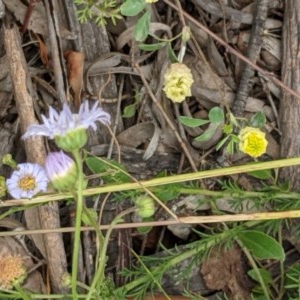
x: 281, y: 266
x: 21, y: 292
x: 255, y: 268
x: 99, y: 276
x: 230, y: 195
x: 79, y: 206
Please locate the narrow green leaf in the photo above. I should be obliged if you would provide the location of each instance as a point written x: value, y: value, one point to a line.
x: 222, y: 142
x: 230, y: 149
x: 216, y: 115
x: 151, y: 47
x: 192, y: 122
x: 265, y: 275
x: 262, y: 245
x: 98, y: 166
x: 207, y: 135
x: 171, y: 54
x: 233, y: 120
x: 261, y: 174
x: 141, y: 28
x: 131, y: 8
x: 258, y: 120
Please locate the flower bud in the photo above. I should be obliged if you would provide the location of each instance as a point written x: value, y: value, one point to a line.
x: 9, y: 161
x: 61, y: 171
x: 73, y: 140
x: 145, y: 206
x: 186, y: 34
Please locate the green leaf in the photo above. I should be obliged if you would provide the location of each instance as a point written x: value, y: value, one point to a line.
x: 262, y: 245
x: 207, y: 135
x: 216, y: 115
x: 261, y: 174
x: 265, y: 275
x: 141, y: 28
x: 230, y: 149
x: 129, y: 111
x: 91, y: 213
x: 258, y: 120
x: 98, y: 166
x: 171, y: 55
x: 233, y: 120
x: 152, y: 47
x: 192, y: 122
x: 131, y: 8
x: 222, y: 142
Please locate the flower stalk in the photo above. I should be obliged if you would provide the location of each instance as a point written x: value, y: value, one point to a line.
x: 79, y: 208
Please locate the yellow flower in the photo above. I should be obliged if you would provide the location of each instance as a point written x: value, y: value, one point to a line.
x: 252, y: 141
x: 178, y: 81
x: 151, y: 1
x: 12, y: 271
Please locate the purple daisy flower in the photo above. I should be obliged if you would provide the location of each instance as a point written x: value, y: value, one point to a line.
x: 59, y: 124
x: 28, y: 180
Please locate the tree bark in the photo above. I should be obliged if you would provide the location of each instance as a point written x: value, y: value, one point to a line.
x: 289, y: 105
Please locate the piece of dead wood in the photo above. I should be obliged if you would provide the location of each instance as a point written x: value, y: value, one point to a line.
x: 254, y: 47
x: 289, y: 105
x: 46, y: 216
x: 56, y: 51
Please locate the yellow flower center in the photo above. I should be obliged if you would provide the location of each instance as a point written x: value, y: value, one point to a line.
x: 12, y: 270
x: 27, y: 183
x: 254, y: 145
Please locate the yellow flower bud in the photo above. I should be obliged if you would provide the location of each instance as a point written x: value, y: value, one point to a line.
x: 252, y: 141
x: 178, y: 82
x: 151, y: 1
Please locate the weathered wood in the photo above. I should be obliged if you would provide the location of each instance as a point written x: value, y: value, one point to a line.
x: 254, y: 47
x: 46, y: 216
x: 289, y: 105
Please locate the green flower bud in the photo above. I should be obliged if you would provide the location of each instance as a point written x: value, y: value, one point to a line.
x: 9, y: 161
x: 145, y: 206
x: 186, y: 33
x: 61, y: 171
x: 73, y: 140
x: 66, y: 279
x: 227, y: 129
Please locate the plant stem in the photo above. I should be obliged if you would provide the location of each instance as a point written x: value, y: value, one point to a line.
x: 79, y: 206
x: 255, y: 268
x: 99, y: 276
